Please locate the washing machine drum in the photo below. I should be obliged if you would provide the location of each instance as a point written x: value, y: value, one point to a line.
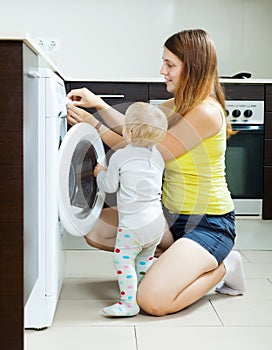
x: 80, y: 201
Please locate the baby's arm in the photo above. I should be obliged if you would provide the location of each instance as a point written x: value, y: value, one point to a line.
x: 108, y: 178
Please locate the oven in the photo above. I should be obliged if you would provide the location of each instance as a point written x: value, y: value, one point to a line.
x: 244, y: 156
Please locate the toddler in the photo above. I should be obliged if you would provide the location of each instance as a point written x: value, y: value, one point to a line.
x: 136, y: 172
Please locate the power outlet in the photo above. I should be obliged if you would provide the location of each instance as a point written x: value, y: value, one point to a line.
x: 49, y: 45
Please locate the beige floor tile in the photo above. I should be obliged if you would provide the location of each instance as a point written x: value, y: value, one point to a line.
x: 204, y: 338
x: 89, y: 288
x: 215, y: 322
x: 89, y: 313
x: 96, y: 288
x: 257, y: 256
x: 243, y: 311
x: 89, y: 264
x: 258, y: 289
x: 81, y: 338
x: 258, y: 270
x: 243, y: 256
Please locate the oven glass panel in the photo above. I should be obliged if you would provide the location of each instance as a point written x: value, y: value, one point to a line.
x: 244, y: 164
x: 82, y: 183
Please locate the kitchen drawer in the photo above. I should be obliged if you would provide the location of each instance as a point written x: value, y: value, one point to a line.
x: 268, y: 152
x: 244, y: 91
x: 268, y: 98
x: 268, y: 125
x: 157, y: 91
x: 117, y: 94
x: 267, y: 198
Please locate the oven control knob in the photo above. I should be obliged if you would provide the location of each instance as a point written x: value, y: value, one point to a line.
x: 236, y: 113
x: 248, y: 113
x: 227, y: 112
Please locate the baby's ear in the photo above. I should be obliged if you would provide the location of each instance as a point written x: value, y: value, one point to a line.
x: 130, y: 133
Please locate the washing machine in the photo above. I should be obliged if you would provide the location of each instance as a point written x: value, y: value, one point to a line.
x: 68, y: 198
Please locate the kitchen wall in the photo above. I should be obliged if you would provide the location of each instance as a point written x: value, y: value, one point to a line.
x: 123, y: 39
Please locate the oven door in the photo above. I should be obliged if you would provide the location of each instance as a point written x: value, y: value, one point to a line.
x: 244, y: 168
x: 80, y: 201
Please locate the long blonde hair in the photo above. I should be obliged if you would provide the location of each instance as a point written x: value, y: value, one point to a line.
x: 199, y: 78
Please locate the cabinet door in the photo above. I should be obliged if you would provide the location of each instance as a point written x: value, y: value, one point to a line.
x: 15, y: 61
x: 267, y: 200
x: 157, y: 91
x: 244, y: 92
x: 268, y: 152
x: 268, y: 125
x: 117, y: 94
x: 268, y: 99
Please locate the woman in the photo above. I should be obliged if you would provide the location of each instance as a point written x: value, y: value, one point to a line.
x: 196, y: 200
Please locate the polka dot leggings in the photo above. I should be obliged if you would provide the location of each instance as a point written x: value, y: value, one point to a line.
x: 131, y: 261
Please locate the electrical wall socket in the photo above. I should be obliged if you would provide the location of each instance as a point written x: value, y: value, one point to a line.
x: 50, y: 46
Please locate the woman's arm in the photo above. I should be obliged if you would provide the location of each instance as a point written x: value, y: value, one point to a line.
x: 85, y: 98
x: 77, y: 115
x: 202, y: 122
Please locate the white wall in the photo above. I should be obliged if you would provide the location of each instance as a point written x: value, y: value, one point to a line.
x: 105, y: 39
x: 123, y: 39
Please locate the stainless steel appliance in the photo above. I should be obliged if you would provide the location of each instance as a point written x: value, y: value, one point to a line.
x: 244, y: 156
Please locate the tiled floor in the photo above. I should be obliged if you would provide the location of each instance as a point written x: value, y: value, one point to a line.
x: 215, y: 322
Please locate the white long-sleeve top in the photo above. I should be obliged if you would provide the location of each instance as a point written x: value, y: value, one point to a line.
x: 135, y: 173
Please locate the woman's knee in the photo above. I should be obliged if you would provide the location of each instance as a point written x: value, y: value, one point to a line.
x: 103, y: 235
x: 97, y: 245
x: 150, y: 302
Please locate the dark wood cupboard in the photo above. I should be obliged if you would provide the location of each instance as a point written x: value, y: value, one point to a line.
x: 117, y: 94
x: 246, y: 92
x: 267, y: 200
x: 15, y: 60
x: 157, y: 91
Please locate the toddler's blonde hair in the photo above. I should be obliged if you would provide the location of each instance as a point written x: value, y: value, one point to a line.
x: 147, y: 122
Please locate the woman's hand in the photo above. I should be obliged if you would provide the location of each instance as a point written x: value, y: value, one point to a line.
x: 85, y: 98
x: 99, y: 168
x: 77, y: 115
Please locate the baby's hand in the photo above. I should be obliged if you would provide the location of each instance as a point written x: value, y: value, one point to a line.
x: 99, y: 168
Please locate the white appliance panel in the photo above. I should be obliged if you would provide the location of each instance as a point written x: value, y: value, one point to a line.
x: 41, y: 304
x: 56, y: 210
x: 78, y: 219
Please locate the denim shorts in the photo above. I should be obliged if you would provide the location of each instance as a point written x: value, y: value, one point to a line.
x: 215, y: 233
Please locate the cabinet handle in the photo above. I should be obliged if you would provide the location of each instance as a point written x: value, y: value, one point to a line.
x: 112, y: 96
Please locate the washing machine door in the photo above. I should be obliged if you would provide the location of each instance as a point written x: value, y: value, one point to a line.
x: 80, y: 201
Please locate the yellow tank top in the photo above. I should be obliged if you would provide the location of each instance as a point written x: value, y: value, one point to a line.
x: 195, y: 183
